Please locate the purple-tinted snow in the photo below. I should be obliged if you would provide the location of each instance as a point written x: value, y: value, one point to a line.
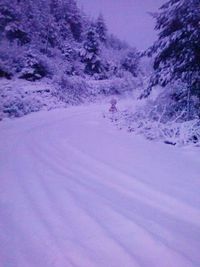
x: 75, y: 191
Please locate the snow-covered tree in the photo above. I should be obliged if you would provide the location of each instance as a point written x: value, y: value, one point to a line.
x: 73, y: 17
x: 130, y: 61
x: 177, y: 50
x: 101, y: 28
x: 91, y: 52
x: 116, y: 43
x: 62, y: 35
x: 11, y: 27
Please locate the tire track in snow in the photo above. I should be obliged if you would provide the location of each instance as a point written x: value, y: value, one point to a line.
x: 86, y: 212
x: 87, y: 186
x: 74, y: 182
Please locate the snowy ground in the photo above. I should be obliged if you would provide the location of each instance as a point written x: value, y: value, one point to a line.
x: 75, y: 191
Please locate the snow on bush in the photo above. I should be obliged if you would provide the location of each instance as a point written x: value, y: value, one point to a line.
x: 24, y: 62
x: 114, y: 86
x: 71, y: 90
x: 33, y: 67
x: 14, y: 107
x: 152, y: 124
x: 75, y: 89
x: 19, y: 98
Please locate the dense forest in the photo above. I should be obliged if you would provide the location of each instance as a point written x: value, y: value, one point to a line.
x: 41, y: 38
x: 56, y: 42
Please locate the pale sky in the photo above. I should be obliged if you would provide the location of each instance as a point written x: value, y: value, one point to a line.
x: 127, y: 19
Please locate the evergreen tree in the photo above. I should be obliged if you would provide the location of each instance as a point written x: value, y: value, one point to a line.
x: 11, y: 27
x: 91, y: 52
x: 130, y: 61
x: 56, y: 9
x: 34, y: 18
x: 35, y: 35
x: 101, y: 28
x: 177, y: 50
x: 73, y: 17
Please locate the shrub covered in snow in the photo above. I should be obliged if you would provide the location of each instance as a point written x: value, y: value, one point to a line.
x: 4, y: 71
x: 10, y: 59
x: 19, y: 98
x: 25, y: 62
x: 15, y: 107
x: 33, y: 67
x: 114, y: 86
x: 154, y: 122
x: 75, y: 89
x: 71, y: 90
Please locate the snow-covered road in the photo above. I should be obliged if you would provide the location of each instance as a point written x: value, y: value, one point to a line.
x: 75, y: 191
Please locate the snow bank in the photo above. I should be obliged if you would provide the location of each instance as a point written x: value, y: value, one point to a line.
x: 19, y: 97
x: 149, y: 118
